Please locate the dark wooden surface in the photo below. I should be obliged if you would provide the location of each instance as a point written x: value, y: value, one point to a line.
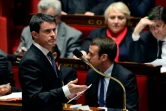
x: 83, y: 20
x: 16, y: 106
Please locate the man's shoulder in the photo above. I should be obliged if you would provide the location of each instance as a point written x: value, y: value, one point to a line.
x: 121, y: 70
x: 69, y: 28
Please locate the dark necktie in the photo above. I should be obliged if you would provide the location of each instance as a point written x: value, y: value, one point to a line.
x: 101, y: 99
x: 160, y: 49
x: 50, y: 55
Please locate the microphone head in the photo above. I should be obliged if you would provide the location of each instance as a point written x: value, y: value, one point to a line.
x: 11, y: 58
x: 77, y: 53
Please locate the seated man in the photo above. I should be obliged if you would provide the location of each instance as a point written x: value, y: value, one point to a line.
x: 67, y: 39
x: 151, y: 45
x: 68, y: 73
x: 7, y: 84
x: 104, y: 91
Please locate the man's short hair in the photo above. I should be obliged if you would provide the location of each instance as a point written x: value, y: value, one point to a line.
x: 106, y: 46
x: 38, y: 19
x: 46, y: 4
x: 158, y: 13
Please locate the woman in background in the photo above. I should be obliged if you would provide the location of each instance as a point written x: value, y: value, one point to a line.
x: 116, y: 17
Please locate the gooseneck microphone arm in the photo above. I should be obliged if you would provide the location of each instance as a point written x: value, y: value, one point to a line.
x: 78, y: 54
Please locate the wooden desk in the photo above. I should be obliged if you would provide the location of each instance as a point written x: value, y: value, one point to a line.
x: 14, y: 106
x: 10, y: 106
x: 92, y: 20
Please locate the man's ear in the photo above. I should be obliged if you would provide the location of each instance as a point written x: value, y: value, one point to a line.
x: 104, y: 57
x: 34, y: 34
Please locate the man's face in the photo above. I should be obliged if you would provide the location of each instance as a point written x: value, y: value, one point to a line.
x: 93, y: 56
x: 46, y: 36
x: 116, y: 21
x: 158, y: 29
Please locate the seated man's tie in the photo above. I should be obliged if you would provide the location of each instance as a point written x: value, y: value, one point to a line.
x: 160, y: 49
x: 101, y: 99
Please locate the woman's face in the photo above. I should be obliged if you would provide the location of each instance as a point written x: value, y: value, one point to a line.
x: 116, y: 21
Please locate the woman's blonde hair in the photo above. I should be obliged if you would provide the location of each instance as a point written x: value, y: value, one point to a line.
x: 119, y: 6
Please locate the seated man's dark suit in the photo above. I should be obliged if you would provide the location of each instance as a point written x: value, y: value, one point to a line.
x: 6, y: 73
x: 68, y: 74
x: 145, y: 49
x: 114, y: 95
x: 42, y: 89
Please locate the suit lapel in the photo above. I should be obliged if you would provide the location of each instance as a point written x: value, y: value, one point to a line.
x: 112, y: 82
x: 44, y: 59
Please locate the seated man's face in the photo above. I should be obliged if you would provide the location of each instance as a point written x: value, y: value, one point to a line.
x: 93, y: 56
x: 158, y: 29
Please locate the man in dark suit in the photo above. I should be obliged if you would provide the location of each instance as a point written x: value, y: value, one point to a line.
x: 39, y: 78
x: 67, y: 39
x: 146, y: 46
x: 102, y: 52
x: 7, y: 84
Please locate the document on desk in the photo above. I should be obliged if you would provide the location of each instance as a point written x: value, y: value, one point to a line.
x: 15, y: 96
x: 79, y: 94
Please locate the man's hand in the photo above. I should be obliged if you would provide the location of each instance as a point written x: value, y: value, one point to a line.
x: 141, y: 25
x: 84, y: 54
x: 5, y: 89
x: 89, y: 13
x: 73, y: 88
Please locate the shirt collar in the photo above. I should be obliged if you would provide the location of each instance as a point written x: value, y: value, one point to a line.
x: 109, y: 70
x: 44, y: 50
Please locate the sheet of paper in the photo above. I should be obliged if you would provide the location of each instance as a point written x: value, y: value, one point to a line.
x: 159, y: 62
x: 12, y: 97
x: 79, y: 94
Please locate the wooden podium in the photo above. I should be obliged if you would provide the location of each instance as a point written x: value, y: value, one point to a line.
x: 16, y: 106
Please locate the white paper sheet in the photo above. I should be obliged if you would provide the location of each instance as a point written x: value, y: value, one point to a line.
x: 79, y: 94
x: 12, y: 97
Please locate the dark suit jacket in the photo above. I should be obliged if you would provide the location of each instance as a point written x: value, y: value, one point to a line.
x: 41, y: 89
x: 6, y: 73
x: 101, y: 32
x: 138, y: 8
x: 145, y: 49
x: 114, y: 96
x: 68, y: 74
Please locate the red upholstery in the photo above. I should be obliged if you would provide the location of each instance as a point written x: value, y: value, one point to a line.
x: 161, y: 2
x: 16, y: 80
x: 81, y: 80
x: 143, y: 92
x: 3, y: 34
x: 34, y: 6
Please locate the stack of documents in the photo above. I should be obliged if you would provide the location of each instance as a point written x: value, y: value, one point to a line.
x: 15, y: 96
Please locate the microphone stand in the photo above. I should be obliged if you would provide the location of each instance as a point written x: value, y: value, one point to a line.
x: 124, y: 91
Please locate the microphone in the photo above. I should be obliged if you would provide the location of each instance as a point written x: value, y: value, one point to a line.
x: 13, y: 59
x: 78, y: 54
